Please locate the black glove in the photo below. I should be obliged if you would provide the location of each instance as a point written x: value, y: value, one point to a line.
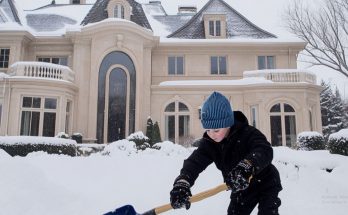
x: 180, y: 194
x: 239, y: 178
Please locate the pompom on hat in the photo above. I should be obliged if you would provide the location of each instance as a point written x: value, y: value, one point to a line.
x: 216, y: 112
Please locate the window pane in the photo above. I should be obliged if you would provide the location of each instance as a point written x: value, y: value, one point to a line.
x: 183, y: 107
x: 122, y: 12
x: 184, y: 124
x: 170, y: 107
x: 63, y: 61
x: 288, y: 108
x: 55, y: 60
x: 50, y: 103
x: 214, y: 65
x: 4, y: 58
x: 44, y: 59
x: 0, y: 113
x: 211, y: 28
x: 222, y: 65
x: 25, y: 123
x: 170, y: 128
x: 254, y: 110
x: 290, y: 130
x: 180, y: 65
x: 171, y: 65
x: 36, y: 102
x: 275, y: 108
x: 261, y: 62
x: 49, y: 125
x: 218, y: 28
x: 276, y: 131
x: 35, y: 122
x: 270, y: 62
x: 27, y: 102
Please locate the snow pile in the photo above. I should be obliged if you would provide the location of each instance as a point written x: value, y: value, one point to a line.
x: 40, y: 183
x: 23, y: 140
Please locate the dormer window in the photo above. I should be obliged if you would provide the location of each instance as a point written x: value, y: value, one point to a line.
x: 119, y: 9
x: 215, y: 26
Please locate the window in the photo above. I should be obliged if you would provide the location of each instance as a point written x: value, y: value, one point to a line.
x: 76, y: 1
x: 0, y: 113
x: 254, y: 115
x: 283, y: 125
x: 177, y: 122
x: 175, y: 65
x: 4, y: 57
x: 55, y: 60
x: 218, y: 65
x: 68, y: 117
x: 119, y: 11
x: 215, y: 28
x: 38, y: 116
x: 266, y: 62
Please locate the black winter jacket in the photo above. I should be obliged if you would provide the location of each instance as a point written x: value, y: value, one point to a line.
x: 243, y: 142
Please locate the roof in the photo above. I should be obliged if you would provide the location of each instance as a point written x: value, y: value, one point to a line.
x: 99, y: 12
x: 237, y: 24
x: 10, y: 11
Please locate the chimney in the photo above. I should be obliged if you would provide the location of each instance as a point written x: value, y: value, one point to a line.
x: 187, y: 9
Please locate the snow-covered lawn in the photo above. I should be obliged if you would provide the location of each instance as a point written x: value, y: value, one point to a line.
x: 62, y: 185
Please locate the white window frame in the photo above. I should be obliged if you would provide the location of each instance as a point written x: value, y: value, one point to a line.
x: 42, y: 110
x: 218, y: 64
x: 176, y: 113
x: 176, y: 64
x: 216, y: 28
x: 51, y: 59
x: 265, y: 62
x: 3, y: 60
x: 254, y: 116
x: 119, y: 11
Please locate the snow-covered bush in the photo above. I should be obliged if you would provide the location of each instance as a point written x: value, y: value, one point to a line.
x: 62, y: 135
x: 23, y: 145
x: 141, y: 141
x: 310, y: 140
x: 120, y: 147
x: 338, y: 142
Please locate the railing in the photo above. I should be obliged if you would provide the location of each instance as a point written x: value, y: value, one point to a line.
x: 41, y: 70
x: 283, y: 75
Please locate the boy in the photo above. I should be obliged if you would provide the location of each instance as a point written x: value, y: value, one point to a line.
x: 243, y: 155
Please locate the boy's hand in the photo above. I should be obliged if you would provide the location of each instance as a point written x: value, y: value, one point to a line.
x: 180, y: 194
x: 239, y: 178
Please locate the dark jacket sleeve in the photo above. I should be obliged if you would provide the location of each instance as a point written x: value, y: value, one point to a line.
x: 198, y: 161
x: 261, y: 153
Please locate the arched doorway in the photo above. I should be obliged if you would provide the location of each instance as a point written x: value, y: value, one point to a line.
x: 116, y: 97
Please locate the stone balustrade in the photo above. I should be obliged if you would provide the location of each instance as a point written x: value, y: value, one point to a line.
x: 41, y: 70
x: 283, y: 75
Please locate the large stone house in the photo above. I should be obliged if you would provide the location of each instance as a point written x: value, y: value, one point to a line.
x: 101, y: 70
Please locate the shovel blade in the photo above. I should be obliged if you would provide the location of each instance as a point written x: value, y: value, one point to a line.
x: 124, y: 210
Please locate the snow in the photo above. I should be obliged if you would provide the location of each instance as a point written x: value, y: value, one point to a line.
x: 15, y: 140
x: 343, y: 133
x: 57, y: 184
x: 244, y: 81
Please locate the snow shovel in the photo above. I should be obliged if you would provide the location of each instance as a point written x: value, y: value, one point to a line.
x: 129, y: 210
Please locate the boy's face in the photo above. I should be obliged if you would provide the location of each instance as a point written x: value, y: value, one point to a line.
x: 218, y: 134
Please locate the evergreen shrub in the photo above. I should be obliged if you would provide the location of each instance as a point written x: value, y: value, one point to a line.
x: 309, y: 141
x: 141, y: 141
x: 338, y: 142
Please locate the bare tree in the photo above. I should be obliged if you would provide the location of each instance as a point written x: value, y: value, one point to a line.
x: 325, y: 29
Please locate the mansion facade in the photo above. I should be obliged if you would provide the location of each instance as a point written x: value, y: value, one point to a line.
x: 102, y: 69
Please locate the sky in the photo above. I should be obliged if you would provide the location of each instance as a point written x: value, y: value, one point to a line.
x: 41, y: 184
x: 267, y: 14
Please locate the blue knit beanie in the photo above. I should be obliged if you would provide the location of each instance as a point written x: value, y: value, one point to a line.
x: 216, y: 112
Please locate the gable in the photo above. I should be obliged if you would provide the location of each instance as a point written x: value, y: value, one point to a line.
x: 237, y: 25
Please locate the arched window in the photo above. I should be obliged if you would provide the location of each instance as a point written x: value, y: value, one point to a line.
x: 283, y: 125
x: 119, y: 11
x: 177, y: 122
